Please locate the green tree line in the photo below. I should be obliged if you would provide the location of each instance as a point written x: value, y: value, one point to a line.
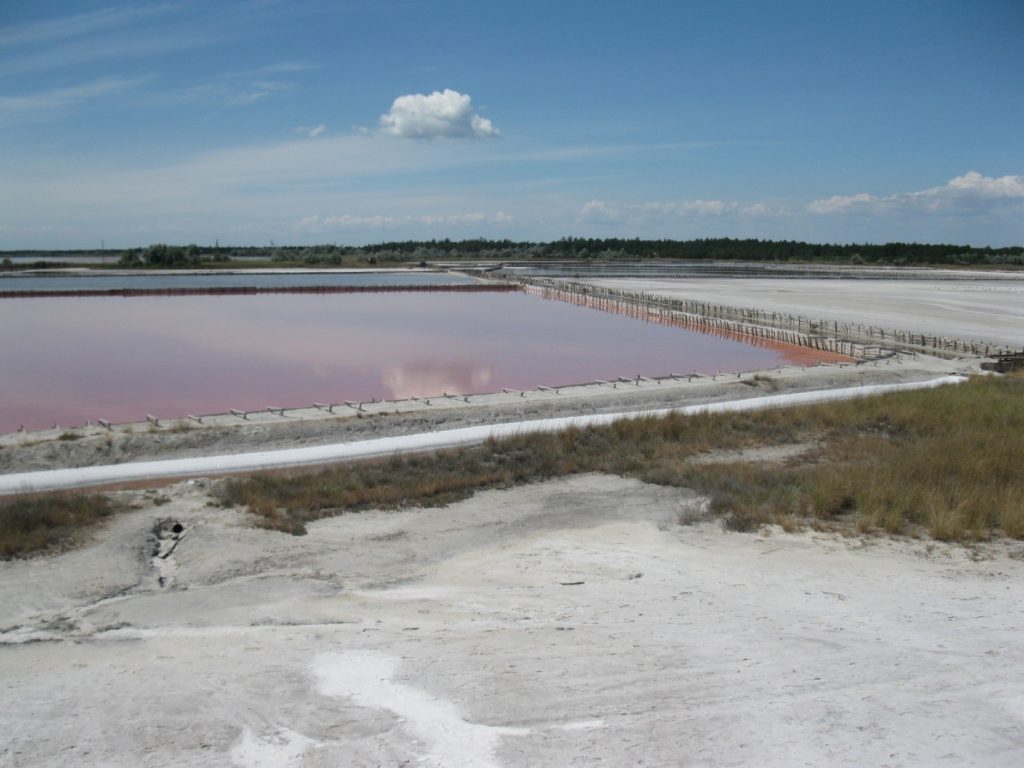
x: 161, y: 255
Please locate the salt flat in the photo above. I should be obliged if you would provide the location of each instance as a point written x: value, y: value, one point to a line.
x: 585, y: 621
x: 989, y: 310
x: 571, y: 622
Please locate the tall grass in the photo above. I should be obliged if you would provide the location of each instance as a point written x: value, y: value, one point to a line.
x: 946, y: 461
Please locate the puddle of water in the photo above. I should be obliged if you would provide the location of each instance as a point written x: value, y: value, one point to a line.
x: 75, y: 359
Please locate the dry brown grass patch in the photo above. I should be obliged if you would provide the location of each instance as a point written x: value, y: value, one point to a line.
x: 33, y: 524
x: 945, y: 460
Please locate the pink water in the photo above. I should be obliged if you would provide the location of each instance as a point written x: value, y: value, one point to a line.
x: 70, y: 360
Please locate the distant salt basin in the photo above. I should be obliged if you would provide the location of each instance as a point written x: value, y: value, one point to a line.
x: 984, y: 306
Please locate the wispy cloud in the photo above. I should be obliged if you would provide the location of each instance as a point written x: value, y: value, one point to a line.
x: 258, y: 90
x: 599, y: 211
x: 348, y: 221
x: 239, y: 172
x: 118, y: 47
x: 286, y: 67
x: 839, y: 203
x: 234, y: 88
x: 356, y: 184
x: 587, y: 151
x: 311, y: 132
x: 77, y: 25
x: 48, y: 102
x: 444, y: 114
x: 971, y: 192
x: 117, y: 34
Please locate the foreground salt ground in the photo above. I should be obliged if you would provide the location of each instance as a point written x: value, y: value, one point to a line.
x: 575, y: 622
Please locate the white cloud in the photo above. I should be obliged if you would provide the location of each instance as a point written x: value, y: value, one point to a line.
x: 599, y: 210
x: 349, y: 221
x: 763, y: 209
x: 705, y: 207
x: 840, y: 203
x: 459, y: 218
x: 972, y: 191
x: 314, y: 132
x: 444, y: 114
x: 974, y: 183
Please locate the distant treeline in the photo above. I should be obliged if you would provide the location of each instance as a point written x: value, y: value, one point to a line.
x: 722, y: 248
x: 164, y: 256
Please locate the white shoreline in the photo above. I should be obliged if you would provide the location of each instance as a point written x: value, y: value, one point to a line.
x: 78, y: 477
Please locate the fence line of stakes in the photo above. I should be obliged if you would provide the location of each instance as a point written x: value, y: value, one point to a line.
x: 855, y: 340
x: 360, y: 406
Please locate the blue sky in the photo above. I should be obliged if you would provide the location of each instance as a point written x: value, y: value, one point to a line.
x: 349, y: 122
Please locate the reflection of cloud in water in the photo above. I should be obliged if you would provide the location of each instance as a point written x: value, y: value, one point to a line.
x: 423, y: 378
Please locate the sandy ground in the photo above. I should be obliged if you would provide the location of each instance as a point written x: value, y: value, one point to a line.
x: 971, y: 308
x: 575, y: 622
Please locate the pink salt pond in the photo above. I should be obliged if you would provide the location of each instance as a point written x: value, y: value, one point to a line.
x: 70, y: 360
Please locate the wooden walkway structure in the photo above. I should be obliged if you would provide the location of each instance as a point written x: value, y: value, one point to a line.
x: 1006, y: 363
x: 857, y: 340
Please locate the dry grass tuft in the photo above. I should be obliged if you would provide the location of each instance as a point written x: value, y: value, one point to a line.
x: 33, y: 524
x: 1009, y: 510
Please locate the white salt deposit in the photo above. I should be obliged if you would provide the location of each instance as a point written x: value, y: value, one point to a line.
x: 367, y: 678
